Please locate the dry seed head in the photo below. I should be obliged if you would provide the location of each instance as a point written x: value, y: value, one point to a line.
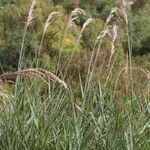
x: 71, y: 22
x: 53, y: 77
x: 86, y: 24
x: 33, y: 73
x: 74, y: 15
x: 50, y: 16
x: 48, y: 21
x: 124, y: 15
x: 30, y: 14
x: 125, y: 3
x: 78, y: 11
x: 129, y: 3
x: 103, y: 33
x: 114, y: 12
x: 112, y: 32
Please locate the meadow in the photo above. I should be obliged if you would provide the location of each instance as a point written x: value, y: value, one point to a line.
x: 76, y: 99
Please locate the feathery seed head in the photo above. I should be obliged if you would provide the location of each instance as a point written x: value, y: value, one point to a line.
x: 51, y: 15
x: 71, y: 22
x: 123, y: 6
x: 125, y: 3
x: 87, y: 23
x: 30, y: 14
x: 78, y: 11
x: 84, y: 26
x: 48, y: 21
x: 42, y: 74
x: 124, y: 15
x: 112, y: 32
x: 74, y: 15
x: 114, y: 12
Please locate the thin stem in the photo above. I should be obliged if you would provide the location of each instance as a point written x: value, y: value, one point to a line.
x: 130, y: 58
x: 89, y: 78
x: 39, y: 51
x: 62, y: 44
x: 21, y: 56
x: 110, y: 71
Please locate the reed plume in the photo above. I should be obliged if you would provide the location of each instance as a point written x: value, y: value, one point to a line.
x: 47, y: 23
x: 44, y: 75
x: 30, y: 14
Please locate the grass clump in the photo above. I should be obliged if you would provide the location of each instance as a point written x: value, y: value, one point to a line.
x: 103, y: 109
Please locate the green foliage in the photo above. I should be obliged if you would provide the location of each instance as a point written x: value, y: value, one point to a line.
x: 140, y: 31
x: 13, y: 17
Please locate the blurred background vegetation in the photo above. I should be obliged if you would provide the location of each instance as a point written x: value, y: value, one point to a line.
x: 13, y: 14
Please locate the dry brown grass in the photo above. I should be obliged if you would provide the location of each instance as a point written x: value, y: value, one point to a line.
x: 42, y: 74
x: 30, y: 14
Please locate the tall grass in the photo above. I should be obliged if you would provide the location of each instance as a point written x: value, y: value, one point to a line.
x: 92, y: 116
x: 30, y: 17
